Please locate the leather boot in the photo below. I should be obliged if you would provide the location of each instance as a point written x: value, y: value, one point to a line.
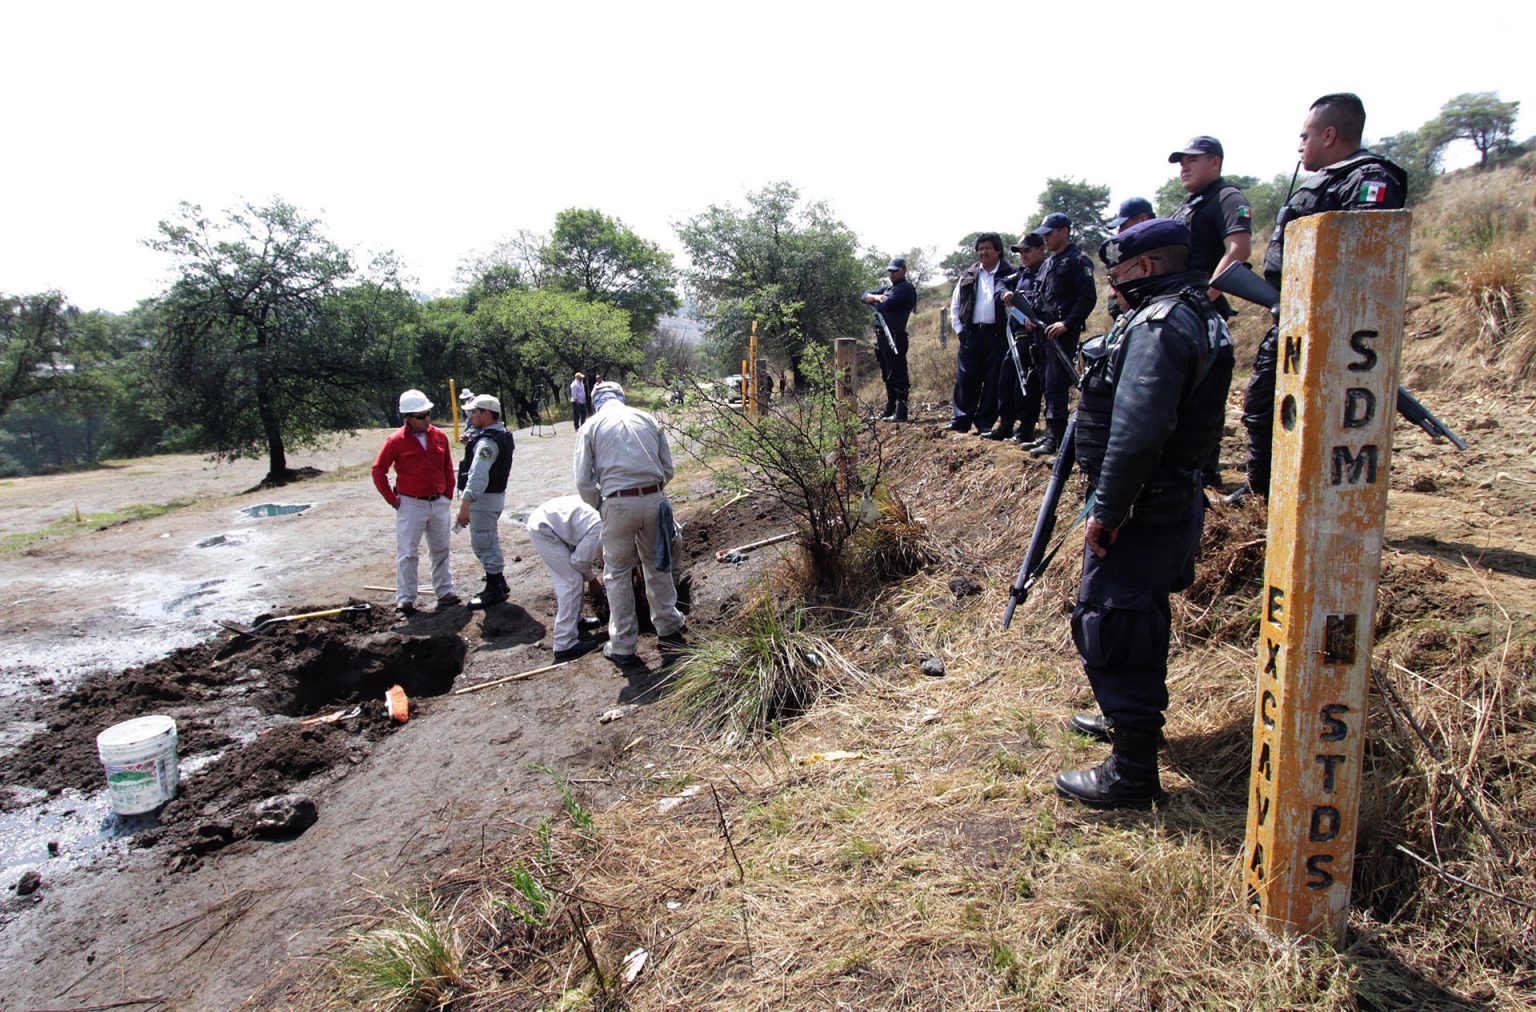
x: 1127, y: 779
x: 1027, y: 437
x: 901, y: 411
x: 1094, y: 725
x: 999, y: 432
x: 496, y: 591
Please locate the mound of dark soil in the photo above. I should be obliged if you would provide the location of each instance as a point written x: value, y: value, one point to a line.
x: 225, y: 691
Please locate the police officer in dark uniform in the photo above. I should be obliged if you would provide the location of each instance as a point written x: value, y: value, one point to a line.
x: 1018, y: 404
x: 1346, y: 177
x: 1133, y: 211
x: 976, y: 313
x: 893, y: 302
x: 1067, y: 296
x: 1220, y: 221
x: 1152, y: 408
x: 1219, y: 217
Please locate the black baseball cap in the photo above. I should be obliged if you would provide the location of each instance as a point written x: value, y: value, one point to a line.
x: 1201, y: 145
x: 897, y: 264
x: 1130, y: 209
x: 1053, y: 221
x: 1029, y: 241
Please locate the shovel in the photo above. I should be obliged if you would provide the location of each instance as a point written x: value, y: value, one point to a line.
x: 249, y: 630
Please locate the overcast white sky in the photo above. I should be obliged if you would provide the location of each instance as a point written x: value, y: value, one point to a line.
x: 435, y: 129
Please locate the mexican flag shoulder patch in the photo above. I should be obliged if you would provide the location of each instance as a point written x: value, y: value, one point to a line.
x: 1372, y: 192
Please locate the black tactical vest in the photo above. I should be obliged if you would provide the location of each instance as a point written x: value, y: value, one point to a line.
x: 497, y: 481
x: 1328, y: 189
x: 1203, y: 407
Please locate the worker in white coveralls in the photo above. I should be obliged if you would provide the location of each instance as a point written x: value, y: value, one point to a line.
x: 622, y: 464
x: 568, y: 534
x: 483, y: 481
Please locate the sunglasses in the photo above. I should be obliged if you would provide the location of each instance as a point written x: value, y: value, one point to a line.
x: 423, y: 415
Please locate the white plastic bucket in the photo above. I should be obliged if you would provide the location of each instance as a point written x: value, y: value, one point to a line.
x: 139, y: 756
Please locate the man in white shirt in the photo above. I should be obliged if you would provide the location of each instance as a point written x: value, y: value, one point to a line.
x: 976, y: 315
x: 622, y: 464
x: 579, y: 412
x: 567, y: 534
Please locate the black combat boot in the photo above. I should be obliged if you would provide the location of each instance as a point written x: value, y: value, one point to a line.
x: 496, y: 591
x: 1127, y: 779
x: 901, y: 412
x: 1094, y: 725
x: 1001, y: 431
x: 1027, y: 437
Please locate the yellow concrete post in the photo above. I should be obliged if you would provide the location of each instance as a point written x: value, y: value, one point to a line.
x: 453, y: 404
x: 1341, y: 328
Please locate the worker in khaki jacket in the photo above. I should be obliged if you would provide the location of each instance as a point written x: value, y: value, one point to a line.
x: 622, y: 464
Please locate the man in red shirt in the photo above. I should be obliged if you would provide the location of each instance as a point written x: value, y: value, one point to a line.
x: 421, y: 496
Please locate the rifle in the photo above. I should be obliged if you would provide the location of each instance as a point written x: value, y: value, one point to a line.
x: 1026, y: 314
x: 1239, y: 280
x: 1013, y: 353
x: 890, y: 342
x: 1036, y: 558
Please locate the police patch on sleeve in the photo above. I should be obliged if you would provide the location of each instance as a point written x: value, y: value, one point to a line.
x: 484, y: 453
x: 1244, y: 212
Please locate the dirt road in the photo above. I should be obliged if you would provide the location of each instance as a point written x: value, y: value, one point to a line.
x: 112, y: 922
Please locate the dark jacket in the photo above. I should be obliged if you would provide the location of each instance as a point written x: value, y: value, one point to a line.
x: 897, y: 309
x: 1066, y: 288
x: 967, y: 287
x: 1365, y: 181
x: 1153, y: 405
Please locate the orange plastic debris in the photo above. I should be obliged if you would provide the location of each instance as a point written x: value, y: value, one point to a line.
x: 399, y: 704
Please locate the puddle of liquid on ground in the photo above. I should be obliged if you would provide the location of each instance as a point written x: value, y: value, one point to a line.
x: 272, y: 509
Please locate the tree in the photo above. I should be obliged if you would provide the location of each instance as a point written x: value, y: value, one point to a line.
x: 1419, y: 152
x: 524, y: 345
x: 1169, y: 197
x: 35, y: 332
x: 964, y: 254
x: 1479, y: 117
x: 600, y: 259
x: 920, y: 269
x: 789, y: 266
x: 514, y: 262
x: 1085, y: 203
x: 251, y: 357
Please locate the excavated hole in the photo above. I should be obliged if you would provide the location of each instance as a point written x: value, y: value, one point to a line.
x: 358, y: 669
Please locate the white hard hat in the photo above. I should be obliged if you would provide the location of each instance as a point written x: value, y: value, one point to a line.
x: 485, y: 402
x: 413, y: 401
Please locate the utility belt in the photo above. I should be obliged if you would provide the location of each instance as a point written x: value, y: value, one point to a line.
x: 421, y: 498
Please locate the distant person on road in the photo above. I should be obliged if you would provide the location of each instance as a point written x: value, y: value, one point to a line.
x: 893, y: 303
x: 568, y: 535
x: 579, y: 410
x: 423, y: 489
x: 622, y: 464
x: 483, y: 478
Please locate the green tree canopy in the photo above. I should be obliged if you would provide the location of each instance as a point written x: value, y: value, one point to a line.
x: 1478, y: 117
x: 600, y: 259
x: 788, y: 265
x: 253, y: 355
x: 35, y: 337
x: 524, y: 346
x: 1087, y: 204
